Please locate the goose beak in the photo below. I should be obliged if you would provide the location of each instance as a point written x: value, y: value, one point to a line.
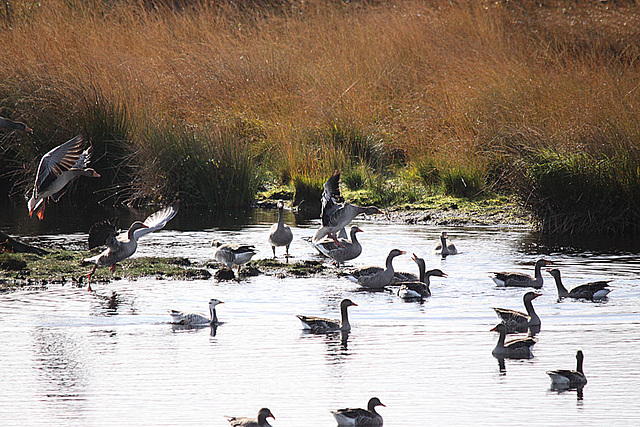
x: 28, y: 129
x: 95, y: 174
x: 414, y: 257
x: 536, y: 295
x: 495, y: 328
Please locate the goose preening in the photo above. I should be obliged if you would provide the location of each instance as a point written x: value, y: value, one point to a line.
x: 592, y: 291
x: 280, y: 234
x: 233, y: 254
x: 522, y: 280
x: 11, y: 124
x: 520, y: 348
x: 444, y: 247
x: 564, y: 379
x: 379, y: 279
x: 260, y: 421
x: 321, y: 325
x: 347, y: 251
x: 360, y: 417
x: 57, y: 169
x: 420, y: 289
x: 517, y: 321
x: 335, y: 215
x: 122, y: 246
x: 180, y: 318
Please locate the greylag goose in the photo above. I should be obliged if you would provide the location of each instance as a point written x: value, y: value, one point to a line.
x: 321, y: 325
x: 180, y: 318
x: 444, y: 247
x: 233, y: 254
x: 280, y: 234
x: 10, y: 124
x: 515, y: 349
x: 260, y: 421
x: 565, y: 379
x: 335, y: 215
x: 522, y: 280
x: 360, y: 417
x: 412, y: 290
x: 120, y: 247
x: 517, y: 321
x: 57, y: 169
x: 591, y: 291
x: 347, y: 251
x: 378, y: 279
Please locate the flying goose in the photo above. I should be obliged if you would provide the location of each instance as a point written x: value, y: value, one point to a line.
x: 515, y: 349
x: 57, y: 169
x: 378, y: 279
x: 360, y: 417
x: 591, y: 291
x: 321, y: 325
x: 522, y: 280
x: 347, y: 251
x: 10, y: 124
x: 180, y: 318
x: 565, y: 379
x: 260, y: 421
x: 280, y: 234
x: 517, y: 321
x: 412, y: 290
x: 444, y: 247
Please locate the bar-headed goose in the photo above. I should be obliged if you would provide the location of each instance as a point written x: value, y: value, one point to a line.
x: 180, y: 318
x: 359, y: 417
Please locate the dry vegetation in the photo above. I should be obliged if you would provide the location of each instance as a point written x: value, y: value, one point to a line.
x: 200, y: 100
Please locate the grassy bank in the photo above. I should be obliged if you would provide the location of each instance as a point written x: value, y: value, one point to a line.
x: 211, y: 102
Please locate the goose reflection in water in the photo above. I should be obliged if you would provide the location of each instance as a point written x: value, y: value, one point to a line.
x: 213, y: 328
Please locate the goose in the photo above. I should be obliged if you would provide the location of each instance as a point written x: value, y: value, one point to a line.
x: 517, y: 321
x: 412, y: 290
x: 280, y: 234
x: 260, y: 421
x: 180, y: 318
x: 515, y: 349
x: 233, y: 254
x: 522, y: 280
x: 321, y: 325
x: 335, y: 215
x: 591, y: 291
x: 444, y: 247
x: 57, y: 169
x: 360, y: 417
x: 10, y: 124
x: 378, y: 279
x: 122, y: 246
x: 347, y: 251
x: 398, y: 276
x: 564, y: 379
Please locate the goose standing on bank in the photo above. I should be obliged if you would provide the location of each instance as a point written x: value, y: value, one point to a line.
x: 420, y: 289
x: 233, y: 254
x: 280, y: 234
x: 521, y: 280
x: 445, y: 247
x: 360, y: 417
x: 10, y: 124
x: 379, y: 279
x: 592, y: 291
x: 335, y: 215
x: 515, y: 349
x: 260, y: 421
x: 347, y: 251
x: 517, y: 321
x: 564, y: 379
x: 56, y: 170
x: 180, y: 318
x: 321, y: 325
x: 120, y: 247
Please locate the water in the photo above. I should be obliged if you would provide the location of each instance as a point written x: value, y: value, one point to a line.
x: 76, y: 358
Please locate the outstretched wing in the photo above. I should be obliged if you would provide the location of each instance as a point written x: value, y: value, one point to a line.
x: 103, y: 233
x: 330, y: 197
x: 157, y: 220
x: 59, y: 160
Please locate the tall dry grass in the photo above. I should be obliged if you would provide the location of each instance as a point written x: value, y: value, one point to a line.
x: 321, y: 85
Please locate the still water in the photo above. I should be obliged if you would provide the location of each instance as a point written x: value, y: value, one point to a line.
x: 74, y: 358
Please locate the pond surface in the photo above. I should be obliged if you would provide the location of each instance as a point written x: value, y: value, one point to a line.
x: 111, y: 357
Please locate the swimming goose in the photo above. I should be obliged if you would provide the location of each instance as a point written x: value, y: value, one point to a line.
x: 360, y: 417
x: 348, y: 251
x: 260, y: 421
x: 412, y: 290
x: 321, y: 325
x: 233, y: 254
x: 517, y: 321
x: 565, y: 379
x: 336, y: 216
x: 379, y: 279
x: 57, y: 169
x: 181, y: 318
x: 280, y: 234
x: 591, y: 291
x: 445, y: 247
x: 120, y: 247
x: 10, y: 124
x: 522, y: 280
x: 515, y: 349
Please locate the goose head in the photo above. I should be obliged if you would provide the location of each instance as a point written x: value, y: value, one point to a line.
x: 347, y: 303
x: 437, y: 272
x: 263, y: 414
x: 213, y: 302
x: 396, y: 252
x: 530, y: 296
x: 373, y: 402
